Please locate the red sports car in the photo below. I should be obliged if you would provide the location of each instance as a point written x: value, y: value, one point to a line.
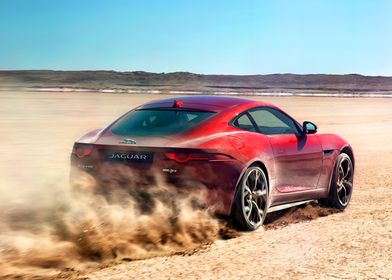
x: 251, y: 155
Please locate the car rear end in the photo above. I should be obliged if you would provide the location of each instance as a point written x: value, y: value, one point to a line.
x: 145, y: 147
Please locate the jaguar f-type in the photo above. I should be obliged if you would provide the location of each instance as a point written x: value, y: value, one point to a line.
x: 252, y: 156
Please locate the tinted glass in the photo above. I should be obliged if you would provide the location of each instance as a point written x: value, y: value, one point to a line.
x: 158, y: 122
x: 271, y: 121
x: 245, y: 123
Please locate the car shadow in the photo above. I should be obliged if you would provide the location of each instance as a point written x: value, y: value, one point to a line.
x: 305, y: 212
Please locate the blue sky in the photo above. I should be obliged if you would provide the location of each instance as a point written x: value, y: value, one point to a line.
x: 215, y: 36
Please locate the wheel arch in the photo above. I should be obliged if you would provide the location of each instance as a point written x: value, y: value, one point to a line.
x: 349, y: 151
x: 263, y: 167
x: 327, y: 200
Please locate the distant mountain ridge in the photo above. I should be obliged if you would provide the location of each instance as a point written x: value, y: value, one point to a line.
x: 185, y: 81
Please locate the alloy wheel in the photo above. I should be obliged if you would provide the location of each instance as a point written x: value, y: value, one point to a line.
x: 254, y: 197
x: 344, y: 181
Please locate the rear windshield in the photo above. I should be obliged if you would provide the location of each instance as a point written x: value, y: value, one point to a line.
x: 158, y: 122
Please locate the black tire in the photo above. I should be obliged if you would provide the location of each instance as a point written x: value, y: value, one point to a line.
x: 251, y: 200
x: 341, y: 186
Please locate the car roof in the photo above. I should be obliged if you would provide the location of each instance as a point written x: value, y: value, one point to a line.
x: 202, y: 102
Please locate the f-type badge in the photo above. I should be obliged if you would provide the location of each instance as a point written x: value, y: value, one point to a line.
x: 128, y: 141
x: 169, y: 170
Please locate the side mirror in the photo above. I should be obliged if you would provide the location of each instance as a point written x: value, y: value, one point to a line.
x: 309, y: 127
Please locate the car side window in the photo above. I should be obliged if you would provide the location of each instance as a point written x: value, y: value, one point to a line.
x: 271, y: 121
x: 245, y: 123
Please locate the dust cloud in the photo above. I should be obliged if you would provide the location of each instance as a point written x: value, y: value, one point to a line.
x: 65, y: 227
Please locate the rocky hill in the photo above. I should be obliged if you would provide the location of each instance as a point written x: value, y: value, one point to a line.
x: 190, y: 82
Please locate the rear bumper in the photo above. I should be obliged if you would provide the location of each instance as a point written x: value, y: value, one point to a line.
x: 218, y: 178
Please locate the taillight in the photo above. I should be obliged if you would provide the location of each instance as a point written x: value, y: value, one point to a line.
x: 185, y: 157
x: 82, y: 150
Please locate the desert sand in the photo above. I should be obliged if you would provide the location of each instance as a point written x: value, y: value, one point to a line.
x: 38, y: 130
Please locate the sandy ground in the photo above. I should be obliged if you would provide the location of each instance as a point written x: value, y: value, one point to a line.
x: 38, y: 129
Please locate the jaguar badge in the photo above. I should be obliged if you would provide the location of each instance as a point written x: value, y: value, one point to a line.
x: 127, y: 141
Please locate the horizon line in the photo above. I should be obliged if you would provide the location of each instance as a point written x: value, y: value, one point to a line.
x: 188, y: 72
